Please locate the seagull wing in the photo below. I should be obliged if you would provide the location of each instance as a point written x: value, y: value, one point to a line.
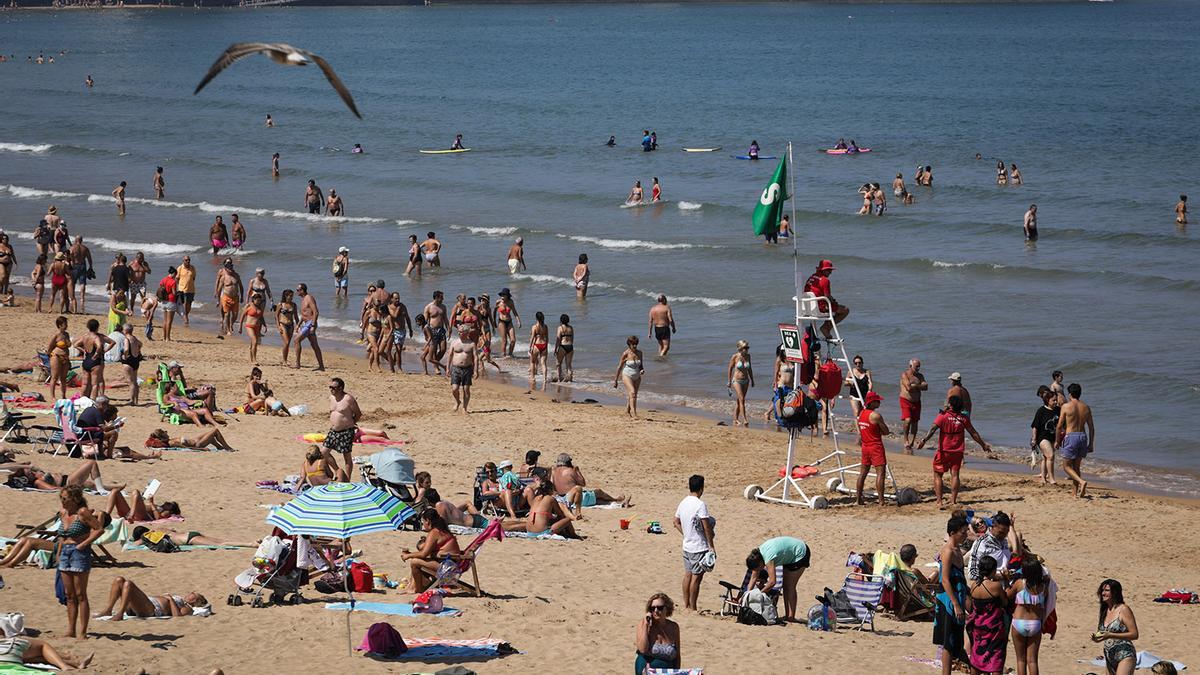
x: 235, y: 52
x: 335, y: 81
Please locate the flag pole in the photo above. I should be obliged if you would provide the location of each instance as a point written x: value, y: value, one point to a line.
x: 792, y: 228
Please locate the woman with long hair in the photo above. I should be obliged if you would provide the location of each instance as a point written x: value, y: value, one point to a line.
x: 285, y: 320
x: 741, y: 378
x: 252, y: 320
x: 59, y: 351
x: 79, y: 527
x: 987, y: 620
x: 539, y: 341
x: 1116, y: 628
x: 437, y: 542
x: 93, y: 345
x: 564, y: 349
x: 630, y: 371
x: 1029, y: 595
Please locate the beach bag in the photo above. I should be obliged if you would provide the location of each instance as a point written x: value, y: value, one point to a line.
x: 164, y: 545
x: 383, y: 639
x: 757, y: 609
x: 268, y: 551
x: 12, y: 623
x: 829, y: 380
x: 361, y: 578
x: 821, y: 618
x: 430, y: 602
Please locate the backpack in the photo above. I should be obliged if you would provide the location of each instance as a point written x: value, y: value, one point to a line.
x: 383, y: 639
x: 757, y: 609
x: 163, y: 545
x: 840, y: 604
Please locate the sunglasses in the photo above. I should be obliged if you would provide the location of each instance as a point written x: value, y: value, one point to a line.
x: 658, y: 608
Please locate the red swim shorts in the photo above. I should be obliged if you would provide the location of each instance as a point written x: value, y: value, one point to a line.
x: 946, y: 461
x: 873, y: 455
x: 910, y: 410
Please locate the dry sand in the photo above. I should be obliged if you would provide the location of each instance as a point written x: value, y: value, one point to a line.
x: 566, y: 605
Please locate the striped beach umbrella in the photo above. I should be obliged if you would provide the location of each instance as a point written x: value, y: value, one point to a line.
x: 341, y: 510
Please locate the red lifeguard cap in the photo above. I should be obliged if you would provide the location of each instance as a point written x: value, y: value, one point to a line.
x: 872, y: 397
x: 825, y: 265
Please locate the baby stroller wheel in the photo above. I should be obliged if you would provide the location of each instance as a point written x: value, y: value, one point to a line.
x: 237, y: 601
x: 277, y: 598
x: 229, y: 600
x: 256, y: 602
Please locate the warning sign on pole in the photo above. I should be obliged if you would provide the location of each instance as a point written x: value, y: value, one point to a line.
x: 790, y: 335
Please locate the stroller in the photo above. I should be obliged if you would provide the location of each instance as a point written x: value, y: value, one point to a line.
x: 276, y: 567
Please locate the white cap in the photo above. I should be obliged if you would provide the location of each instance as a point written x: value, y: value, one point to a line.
x: 505, y: 464
x: 343, y: 249
x: 955, y: 376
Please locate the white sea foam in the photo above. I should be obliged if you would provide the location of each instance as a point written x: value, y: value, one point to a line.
x: 402, y: 222
x: 486, y: 231
x: 153, y: 249
x: 337, y: 324
x: 36, y: 149
x: 690, y: 206
x: 627, y: 243
x: 713, y: 303
x: 34, y: 193
x: 939, y: 263
x: 562, y: 281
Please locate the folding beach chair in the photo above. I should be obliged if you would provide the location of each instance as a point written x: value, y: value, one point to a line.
x: 864, y: 592
x: 14, y: 427
x: 68, y: 436
x: 164, y: 387
x: 731, y: 599
x: 454, y: 566
x: 913, y: 599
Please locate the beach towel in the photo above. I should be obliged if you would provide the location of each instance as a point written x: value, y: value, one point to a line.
x: 196, y: 611
x: 674, y: 671
x: 1145, y: 661
x: 34, y: 668
x: 183, y: 548
x: 437, y: 648
x: 181, y: 449
x: 392, y: 608
x: 462, y: 529
x: 320, y: 438
x: 276, y: 486
x: 1179, y: 596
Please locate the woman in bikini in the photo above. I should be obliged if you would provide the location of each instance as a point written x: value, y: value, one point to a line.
x: 635, y: 195
x: 131, y: 360
x: 741, y: 378
x: 657, y: 638
x: 373, y: 322
x: 1116, y: 628
x: 547, y: 515
x: 505, y: 315
x: 252, y: 321
x: 126, y: 599
x: 858, y: 383
x: 437, y: 543
x: 564, y: 349
x: 8, y: 263
x: 629, y: 371
x: 142, y: 510
x: 1001, y: 173
x: 285, y: 320
x: 414, y: 256
x: 26, y: 476
x: 38, y: 278
x: 93, y: 345
x: 316, y: 471
x: 60, y: 356
x: 259, y: 284
x: 539, y: 341
x: 159, y: 438
x: 260, y: 398
x: 1029, y: 595
x: 59, y: 270
x: 487, y: 326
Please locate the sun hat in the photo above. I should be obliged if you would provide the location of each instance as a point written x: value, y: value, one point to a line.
x: 504, y: 464
x: 955, y: 376
x: 343, y: 249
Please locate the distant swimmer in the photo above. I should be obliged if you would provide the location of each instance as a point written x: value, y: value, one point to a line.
x: 898, y: 187
x: 89, y: 82
x: 785, y: 227
x: 1014, y: 175
x: 334, y: 205
x: 662, y: 325
x: 647, y: 144
x: 924, y: 176
x: 313, y: 199
x: 635, y: 195
x: 457, y: 143
x: 1031, y: 230
x: 118, y: 194
x: 840, y: 145
x: 516, y: 256
x: 1181, y: 210
x: 279, y: 53
x: 275, y: 165
x: 656, y: 191
x: 753, y: 151
x: 237, y: 231
x: 1001, y: 173
x: 414, y: 256
x: 852, y: 147
x: 270, y: 124
x: 978, y: 155
x: 358, y: 150
x: 431, y: 249
x: 218, y: 234
x: 582, y: 276
x: 612, y: 141
x: 160, y: 185
x: 653, y: 140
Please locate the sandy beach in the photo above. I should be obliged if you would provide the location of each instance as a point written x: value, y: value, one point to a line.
x: 572, y: 604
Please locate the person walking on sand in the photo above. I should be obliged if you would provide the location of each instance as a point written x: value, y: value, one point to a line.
x: 582, y: 275
x: 662, y: 325
x: 516, y: 256
x: 168, y: 298
x: 1181, y: 210
x: 871, y: 430
x: 1077, y: 437
x: 228, y: 291
x: 160, y: 185
x: 344, y: 415
x: 400, y: 325
x: 818, y: 284
x: 186, y: 275
x: 629, y: 371
x: 118, y: 194
x: 435, y: 319
x: 341, y: 273
x: 462, y: 370
x: 912, y: 383
x: 506, y: 317
x: 308, y: 325
x: 741, y: 378
x: 954, y: 424
x: 957, y: 389
x: 693, y: 521
x: 1043, y: 433
x: 1030, y: 225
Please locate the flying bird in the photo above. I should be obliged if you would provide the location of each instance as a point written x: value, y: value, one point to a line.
x: 279, y: 53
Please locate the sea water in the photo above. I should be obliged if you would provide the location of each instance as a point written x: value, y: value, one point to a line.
x: 1093, y: 101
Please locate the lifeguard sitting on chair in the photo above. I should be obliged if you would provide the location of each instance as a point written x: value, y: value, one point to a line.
x: 818, y: 285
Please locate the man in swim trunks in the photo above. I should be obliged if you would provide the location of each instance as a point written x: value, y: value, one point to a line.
x: 308, y: 325
x: 138, y: 269
x: 402, y: 327
x: 431, y: 248
x: 344, y: 415
x: 187, y: 288
x: 160, y: 185
x: 516, y: 256
x: 341, y: 273
x: 81, y: 269
x: 228, y: 291
x: 912, y: 383
x: 1031, y: 231
x: 570, y: 483
x: 1181, y: 210
x: 818, y: 285
x: 334, y: 205
x: 871, y: 430
x: 462, y: 370
x: 662, y: 325
x: 118, y: 194
x: 237, y: 232
x: 957, y: 389
x: 1077, y: 437
x: 435, y: 319
x: 313, y: 198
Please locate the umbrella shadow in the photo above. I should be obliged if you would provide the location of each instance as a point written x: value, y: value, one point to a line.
x: 157, y: 641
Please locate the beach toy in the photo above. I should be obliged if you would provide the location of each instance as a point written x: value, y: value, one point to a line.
x: 654, y: 528
x: 624, y: 524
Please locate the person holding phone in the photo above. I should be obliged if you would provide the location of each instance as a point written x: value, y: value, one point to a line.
x: 657, y: 637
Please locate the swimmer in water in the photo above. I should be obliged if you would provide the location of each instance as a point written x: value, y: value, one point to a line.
x: 635, y: 195
x: 89, y: 82
x: 358, y: 150
x: 1181, y: 210
x: 840, y: 145
x: 275, y: 165
x: 160, y: 185
x: 270, y: 122
x: 655, y: 191
x: 238, y: 232
x: 118, y: 194
x: 1031, y: 230
x: 218, y: 235
x: 612, y: 141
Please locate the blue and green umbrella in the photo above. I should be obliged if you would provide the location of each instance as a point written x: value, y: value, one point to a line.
x: 341, y: 510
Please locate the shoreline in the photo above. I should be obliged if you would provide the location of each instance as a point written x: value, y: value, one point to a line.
x: 482, y: 3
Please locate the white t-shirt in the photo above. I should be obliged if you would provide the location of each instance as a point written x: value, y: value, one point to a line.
x: 690, y: 512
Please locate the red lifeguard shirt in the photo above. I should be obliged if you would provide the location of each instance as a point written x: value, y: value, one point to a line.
x: 953, y: 427
x: 818, y: 284
x: 868, y: 432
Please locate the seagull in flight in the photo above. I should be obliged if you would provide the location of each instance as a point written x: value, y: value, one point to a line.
x: 279, y: 53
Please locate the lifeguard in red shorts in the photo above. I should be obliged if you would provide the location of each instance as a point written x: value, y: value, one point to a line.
x: 954, y: 426
x: 871, y: 430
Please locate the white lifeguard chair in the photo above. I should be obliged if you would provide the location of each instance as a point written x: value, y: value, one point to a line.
x: 839, y: 477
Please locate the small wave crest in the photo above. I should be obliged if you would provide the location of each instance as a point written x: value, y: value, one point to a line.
x: 486, y: 231
x: 624, y: 244
x: 713, y: 303
x: 34, y: 193
x: 35, y: 148
x: 690, y: 206
x: 154, y: 249
x: 561, y: 281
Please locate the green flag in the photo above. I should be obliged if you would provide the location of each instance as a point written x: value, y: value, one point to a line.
x: 770, y: 203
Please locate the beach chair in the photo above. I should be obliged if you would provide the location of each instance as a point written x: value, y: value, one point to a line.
x: 14, y: 427
x: 731, y: 599
x: 454, y: 566
x: 864, y: 592
x: 913, y: 599
x: 491, y: 506
x: 164, y: 387
x: 48, y: 529
x: 67, y: 437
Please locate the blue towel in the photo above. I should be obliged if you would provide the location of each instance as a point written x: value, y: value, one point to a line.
x: 393, y: 608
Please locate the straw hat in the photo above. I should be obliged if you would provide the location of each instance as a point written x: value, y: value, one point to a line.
x: 52, y: 210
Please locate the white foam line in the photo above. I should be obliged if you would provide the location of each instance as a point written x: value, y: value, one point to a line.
x: 36, y: 149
